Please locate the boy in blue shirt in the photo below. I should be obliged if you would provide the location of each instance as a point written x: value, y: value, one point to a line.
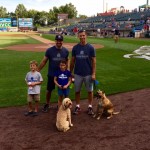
x: 62, y: 79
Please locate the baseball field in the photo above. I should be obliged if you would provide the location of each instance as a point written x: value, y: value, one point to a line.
x: 124, y: 80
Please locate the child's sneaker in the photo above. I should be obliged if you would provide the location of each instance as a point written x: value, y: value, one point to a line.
x: 45, y: 108
x: 90, y: 111
x: 28, y: 113
x: 77, y: 110
x: 34, y: 114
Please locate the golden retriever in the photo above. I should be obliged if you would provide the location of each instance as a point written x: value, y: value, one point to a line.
x: 63, y: 120
x: 104, y: 106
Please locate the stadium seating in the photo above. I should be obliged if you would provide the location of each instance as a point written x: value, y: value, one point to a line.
x: 125, y: 22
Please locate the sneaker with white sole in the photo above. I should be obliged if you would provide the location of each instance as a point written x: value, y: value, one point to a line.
x: 77, y: 110
x: 45, y: 108
x: 90, y: 111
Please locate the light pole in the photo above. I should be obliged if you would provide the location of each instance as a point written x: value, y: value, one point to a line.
x: 103, y: 5
x: 147, y: 2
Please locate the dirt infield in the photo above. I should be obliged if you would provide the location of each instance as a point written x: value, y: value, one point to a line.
x: 129, y: 130
x: 42, y: 47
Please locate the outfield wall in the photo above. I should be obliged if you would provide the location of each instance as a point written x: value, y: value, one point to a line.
x: 13, y: 25
x: 5, y: 23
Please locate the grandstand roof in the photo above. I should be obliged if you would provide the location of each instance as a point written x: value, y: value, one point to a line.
x: 144, y: 6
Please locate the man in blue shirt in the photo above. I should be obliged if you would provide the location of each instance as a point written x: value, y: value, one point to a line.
x: 116, y: 34
x: 54, y: 55
x: 83, y: 63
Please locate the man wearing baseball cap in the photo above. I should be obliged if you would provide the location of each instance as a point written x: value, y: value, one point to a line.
x: 54, y: 55
x: 59, y: 37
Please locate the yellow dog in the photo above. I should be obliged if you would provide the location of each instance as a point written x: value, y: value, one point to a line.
x: 104, y: 106
x: 63, y: 120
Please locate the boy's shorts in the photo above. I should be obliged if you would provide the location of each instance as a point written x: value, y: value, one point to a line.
x: 116, y: 36
x: 33, y: 97
x: 50, y: 83
x: 63, y: 92
x: 79, y: 80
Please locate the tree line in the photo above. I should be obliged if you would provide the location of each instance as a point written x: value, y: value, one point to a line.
x: 41, y: 18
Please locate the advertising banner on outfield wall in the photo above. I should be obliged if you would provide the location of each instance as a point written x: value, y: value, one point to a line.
x: 14, y: 22
x: 5, y: 22
x: 25, y: 22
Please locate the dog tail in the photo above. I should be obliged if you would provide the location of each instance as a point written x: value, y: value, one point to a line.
x: 115, y: 113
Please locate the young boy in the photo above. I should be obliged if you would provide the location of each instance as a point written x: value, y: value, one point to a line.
x: 62, y: 79
x: 33, y: 80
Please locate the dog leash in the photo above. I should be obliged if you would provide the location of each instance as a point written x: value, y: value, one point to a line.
x: 95, y: 86
x: 72, y: 84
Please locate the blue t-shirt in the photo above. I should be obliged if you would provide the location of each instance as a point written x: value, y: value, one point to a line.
x: 55, y: 56
x: 62, y: 76
x: 116, y: 32
x: 83, y: 59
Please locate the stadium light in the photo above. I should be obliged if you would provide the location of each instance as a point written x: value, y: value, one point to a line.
x: 147, y: 2
x: 103, y: 5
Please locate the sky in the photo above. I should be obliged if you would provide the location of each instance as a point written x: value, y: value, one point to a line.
x: 84, y: 7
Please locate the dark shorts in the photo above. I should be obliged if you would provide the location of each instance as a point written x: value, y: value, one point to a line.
x: 63, y: 92
x: 50, y: 83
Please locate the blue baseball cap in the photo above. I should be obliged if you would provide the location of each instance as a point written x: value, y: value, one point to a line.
x: 59, y: 37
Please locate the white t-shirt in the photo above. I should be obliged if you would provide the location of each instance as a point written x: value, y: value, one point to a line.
x: 34, y: 77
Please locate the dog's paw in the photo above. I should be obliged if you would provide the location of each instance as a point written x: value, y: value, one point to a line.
x: 109, y: 117
x: 71, y: 125
x: 94, y: 116
x: 98, y: 118
x: 66, y: 129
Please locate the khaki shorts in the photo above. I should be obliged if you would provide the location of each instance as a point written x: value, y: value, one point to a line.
x: 79, y: 80
x: 116, y: 36
x: 33, y: 97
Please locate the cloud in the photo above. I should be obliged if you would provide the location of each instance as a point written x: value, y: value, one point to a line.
x: 41, y: 0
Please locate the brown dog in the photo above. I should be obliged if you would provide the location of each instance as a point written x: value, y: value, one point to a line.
x: 63, y: 120
x: 104, y: 106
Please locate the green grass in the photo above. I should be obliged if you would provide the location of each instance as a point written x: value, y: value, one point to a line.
x: 114, y: 72
x: 16, y: 40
